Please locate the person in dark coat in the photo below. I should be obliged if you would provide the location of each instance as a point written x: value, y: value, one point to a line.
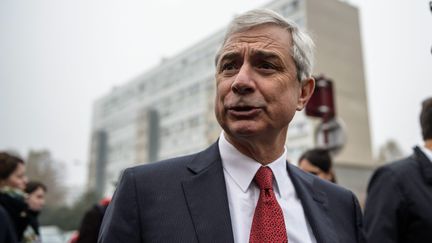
x: 399, y: 201
x: 7, y: 233
x: 226, y: 193
x: 91, y: 222
x: 13, y: 181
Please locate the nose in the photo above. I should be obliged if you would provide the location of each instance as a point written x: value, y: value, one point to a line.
x: 243, y: 83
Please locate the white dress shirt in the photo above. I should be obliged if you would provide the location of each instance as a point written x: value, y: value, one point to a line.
x: 426, y: 151
x: 239, y: 171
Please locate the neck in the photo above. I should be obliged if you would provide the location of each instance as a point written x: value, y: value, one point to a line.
x: 263, y: 150
x: 428, y: 143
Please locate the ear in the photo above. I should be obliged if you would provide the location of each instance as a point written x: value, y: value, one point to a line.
x: 306, y: 91
x: 328, y: 176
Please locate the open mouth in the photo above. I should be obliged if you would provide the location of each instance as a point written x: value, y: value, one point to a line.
x: 243, y: 108
x: 244, y: 111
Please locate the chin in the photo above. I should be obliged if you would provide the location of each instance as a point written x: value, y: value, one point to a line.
x: 243, y: 130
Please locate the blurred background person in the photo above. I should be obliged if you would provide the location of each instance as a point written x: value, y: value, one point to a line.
x: 36, y: 201
x: 91, y: 222
x: 318, y: 162
x: 13, y: 181
x: 7, y: 233
x: 399, y: 201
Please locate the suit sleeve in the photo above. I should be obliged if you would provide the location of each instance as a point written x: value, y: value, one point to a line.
x: 359, y: 221
x: 384, y: 202
x: 121, y: 222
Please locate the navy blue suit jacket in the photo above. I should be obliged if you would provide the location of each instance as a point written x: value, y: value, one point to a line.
x: 399, y: 202
x: 184, y: 200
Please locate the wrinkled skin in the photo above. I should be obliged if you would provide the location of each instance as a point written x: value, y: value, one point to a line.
x: 258, y: 92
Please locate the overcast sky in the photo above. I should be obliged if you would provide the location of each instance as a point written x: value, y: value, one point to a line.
x: 57, y: 57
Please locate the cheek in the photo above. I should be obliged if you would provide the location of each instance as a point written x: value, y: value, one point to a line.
x: 39, y: 202
x: 222, y: 90
x: 280, y: 90
x: 218, y: 108
x: 14, y: 181
x: 285, y: 104
x: 31, y: 201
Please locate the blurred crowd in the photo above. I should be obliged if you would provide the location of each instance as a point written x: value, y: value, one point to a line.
x: 20, y: 202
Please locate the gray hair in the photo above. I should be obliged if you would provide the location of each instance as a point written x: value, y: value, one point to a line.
x: 302, y: 45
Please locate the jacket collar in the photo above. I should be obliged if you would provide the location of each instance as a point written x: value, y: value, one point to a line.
x: 315, y: 205
x: 210, y: 211
x: 424, y: 163
x: 206, y: 197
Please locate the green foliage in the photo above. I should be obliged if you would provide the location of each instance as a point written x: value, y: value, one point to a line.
x: 68, y: 218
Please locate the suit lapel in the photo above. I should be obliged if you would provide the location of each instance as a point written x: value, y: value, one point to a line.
x: 315, y: 206
x: 206, y: 196
x: 424, y: 163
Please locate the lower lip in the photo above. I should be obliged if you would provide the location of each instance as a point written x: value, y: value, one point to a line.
x: 245, y: 114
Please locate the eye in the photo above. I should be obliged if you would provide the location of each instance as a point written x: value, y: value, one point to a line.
x: 266, y: 65
x: 228, y: 66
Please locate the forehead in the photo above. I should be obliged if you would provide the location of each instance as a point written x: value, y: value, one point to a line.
x: 264, y: 37
x: 20, y: 167
x: 39, y: 191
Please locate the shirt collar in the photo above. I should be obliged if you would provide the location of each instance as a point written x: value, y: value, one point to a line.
x: 426, y: 151
x: 242, y: 168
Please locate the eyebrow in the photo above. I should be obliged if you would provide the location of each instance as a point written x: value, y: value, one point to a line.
x: 229, y: 56
x: 255, y: 54
x: 265, y: 54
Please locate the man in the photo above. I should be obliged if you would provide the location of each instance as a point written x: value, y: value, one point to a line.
x: 318, y: 161
x: 241, y: 188
x: 398, y: 206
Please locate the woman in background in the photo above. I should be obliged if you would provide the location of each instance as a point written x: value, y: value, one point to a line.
x: 36, y: 201
x: 318, y: 162
x: 13, y: 181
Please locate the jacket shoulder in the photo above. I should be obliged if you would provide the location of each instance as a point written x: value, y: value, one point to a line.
x: 398, y: 169
x: 163, y: 166
x: 179, y: 167
x: 318, y: 183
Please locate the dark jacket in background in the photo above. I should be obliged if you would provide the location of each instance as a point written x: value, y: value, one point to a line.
x: 33, y: 221
x: 399, y: 202
x: 7, y: 233
x: 17, y: 210
x: 91, y: 223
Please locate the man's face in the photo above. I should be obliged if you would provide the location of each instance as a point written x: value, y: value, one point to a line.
x: 257, y: 89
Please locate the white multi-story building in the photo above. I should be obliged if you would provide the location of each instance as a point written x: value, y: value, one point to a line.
x: 168, y: 111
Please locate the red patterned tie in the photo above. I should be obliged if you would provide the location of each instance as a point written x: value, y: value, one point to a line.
x: 268, y: 222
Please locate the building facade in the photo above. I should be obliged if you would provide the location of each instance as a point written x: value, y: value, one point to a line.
x: 168, y: 110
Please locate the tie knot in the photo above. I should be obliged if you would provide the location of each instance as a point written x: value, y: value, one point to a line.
x: 264, y: 178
